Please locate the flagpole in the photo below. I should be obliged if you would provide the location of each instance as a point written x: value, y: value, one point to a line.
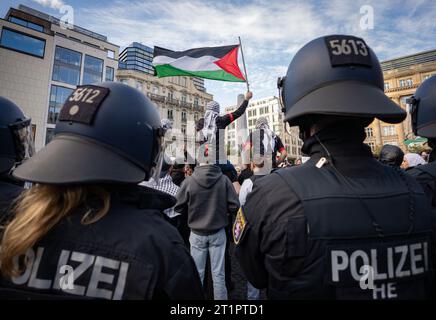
x: 243, y: 61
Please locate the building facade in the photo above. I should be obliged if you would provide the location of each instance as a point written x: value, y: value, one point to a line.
x: 402, y: 77
x: 41, y: 63
x: 179, y: 99
x: 270, y: 109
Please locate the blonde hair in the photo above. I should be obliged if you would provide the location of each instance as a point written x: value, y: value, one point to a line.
x: 38, y: 210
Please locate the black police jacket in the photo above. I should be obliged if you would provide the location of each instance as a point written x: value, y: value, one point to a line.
x: 426, y: 177
x: 131, y: 253
x: 311, y: 235
x: 8, y: 193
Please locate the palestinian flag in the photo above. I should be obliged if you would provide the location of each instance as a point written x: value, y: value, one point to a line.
x: 216, y: 63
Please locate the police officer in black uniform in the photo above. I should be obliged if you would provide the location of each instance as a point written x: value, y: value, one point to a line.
x: 423, y: 112
x: 86, y: 229
x: 16, y: 144
x: 341, y: 226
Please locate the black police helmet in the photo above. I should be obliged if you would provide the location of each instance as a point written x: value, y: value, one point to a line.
x: 336, y: 75
x: 423, y: 110
x: 391, y: 155
x: 14, y: 145
x: 108, y: 132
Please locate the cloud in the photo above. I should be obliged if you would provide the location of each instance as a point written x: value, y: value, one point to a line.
x: 272, y: 31
x: 54, y: 4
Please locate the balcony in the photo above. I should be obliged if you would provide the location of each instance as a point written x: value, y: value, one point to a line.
x: 172, y: 101
x: 185, y: 104
x: 156, y: 97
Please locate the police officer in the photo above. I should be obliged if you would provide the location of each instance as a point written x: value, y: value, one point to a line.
x: 86, y: 229
x: 342, y: 225
x: 423, y: 114
x: 16, y: 144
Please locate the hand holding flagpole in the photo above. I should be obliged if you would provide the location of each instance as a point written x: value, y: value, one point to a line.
x: 243, y: 61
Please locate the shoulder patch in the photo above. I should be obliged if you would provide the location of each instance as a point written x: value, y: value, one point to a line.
x: 239, y: 226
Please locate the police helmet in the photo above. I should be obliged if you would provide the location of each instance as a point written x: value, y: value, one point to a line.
x: 108, y: 132
x: 336, y: 75
x: 16, y: 138
x: 423, y: 109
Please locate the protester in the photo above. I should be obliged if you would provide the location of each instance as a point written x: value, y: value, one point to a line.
x: 211, y: 130
x: 207, y: 197
x: 245, y: 174
x: 391, y: 155
x: 307, y: 231
x: 258, y: 172
x: 166, y: 185
x: 298, y: 162
x: 266, y: 142
x: 178, y: 172
x: 87, y: 211
x: 412, y: 160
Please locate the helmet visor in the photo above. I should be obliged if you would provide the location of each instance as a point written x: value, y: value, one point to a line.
x: 23, y: 139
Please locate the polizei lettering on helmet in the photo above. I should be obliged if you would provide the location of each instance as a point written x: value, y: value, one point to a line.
x: 90, y: 275
x: 390, y: 264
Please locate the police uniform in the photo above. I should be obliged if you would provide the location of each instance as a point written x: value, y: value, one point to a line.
x: 341, y: 226
x: 16, y: 145
x: 423, y: 116
x: 131, y: 252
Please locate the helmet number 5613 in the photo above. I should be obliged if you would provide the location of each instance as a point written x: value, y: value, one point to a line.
x: 348, y: 46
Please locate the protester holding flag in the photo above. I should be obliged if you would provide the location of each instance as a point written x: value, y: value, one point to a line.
x: 215, y: 63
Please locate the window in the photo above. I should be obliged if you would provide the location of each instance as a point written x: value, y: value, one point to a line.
x: 49, y: 135
x: 93, y: 70
x: 110, y: 54
x: 196, y: 102
x: 155, y: 90
x: 389, y: 131
x: 184, y: 98
x: 183, y: 116
x: 387, y: 86
x: 109, y: 74
x: 139, y: 85
x: 26, y: 24
x: 66, y: 66
x: 170, y: 95
x: 392, y: 143
x: 58, y: 95
x: 369, y: 132
x: 195, y: 117
x: 406, y: 82
x: 254, y: 112
x: 403, y: 100
x: 22, y: 43
x: 372, y: 146
x: 183, y: 82
x: 170, y: 114
x: 184, y: 129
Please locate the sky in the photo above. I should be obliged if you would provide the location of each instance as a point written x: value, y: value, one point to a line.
x: 272, y: 31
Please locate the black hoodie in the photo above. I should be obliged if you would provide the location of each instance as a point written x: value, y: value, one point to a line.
x: 207, y: 197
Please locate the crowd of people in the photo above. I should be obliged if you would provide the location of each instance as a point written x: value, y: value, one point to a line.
x: 132, y: 223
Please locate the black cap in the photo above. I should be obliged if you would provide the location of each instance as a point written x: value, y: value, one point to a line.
x: 108, y: 132
x: 337, y: 75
